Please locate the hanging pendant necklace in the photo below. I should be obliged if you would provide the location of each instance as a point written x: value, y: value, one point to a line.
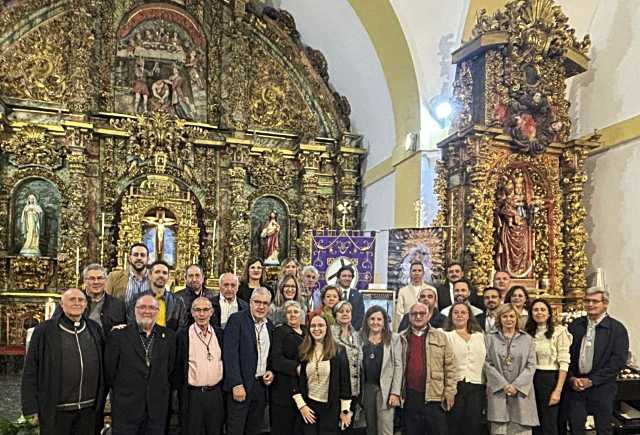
x: 209, y: 355
x: 147, y: 349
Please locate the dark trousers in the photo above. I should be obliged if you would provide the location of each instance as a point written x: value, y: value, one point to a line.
x: 145, y: 425
x: 544, y: 382
x: 205, y: 415
x: 597, y: 401
x: 285, y: 418
x: 247, y: 417
x: 79, y: 422
x: 466, y: 415
x: 327, y: 420
x: 422, y: 418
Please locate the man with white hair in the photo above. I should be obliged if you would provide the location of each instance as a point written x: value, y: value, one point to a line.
x: 598, y: 351
x: 62, y: 382
x: 226, y: 303
x: 139, y: 369
x: 311, y: 293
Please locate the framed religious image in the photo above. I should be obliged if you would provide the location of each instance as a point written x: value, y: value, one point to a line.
x: 383, y: 298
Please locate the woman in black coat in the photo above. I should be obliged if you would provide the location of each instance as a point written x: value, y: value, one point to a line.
x: 287, y: 338
x: 323, y: 391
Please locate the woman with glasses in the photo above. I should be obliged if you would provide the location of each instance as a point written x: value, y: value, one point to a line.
x: 382, y: 368
x: 348, y: 337
x: 467, y: 340
x: 323, y: 391
x: 552, y: 357
x: 288, y: 290
x: 509, y: 367
x: 287, y: 338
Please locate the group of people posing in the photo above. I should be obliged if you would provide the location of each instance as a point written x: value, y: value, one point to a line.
x: 297, y: 359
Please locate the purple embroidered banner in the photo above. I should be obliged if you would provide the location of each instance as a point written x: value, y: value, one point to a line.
x: 331, y: 249
x: 407, y: 245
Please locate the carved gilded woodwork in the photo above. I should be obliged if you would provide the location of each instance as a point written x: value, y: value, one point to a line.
x: 33, y: 146
x: 512, y: 118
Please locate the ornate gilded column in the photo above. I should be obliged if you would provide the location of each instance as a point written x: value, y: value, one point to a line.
x: 310, y: 162
x: 79, y: 94
x: 239, y: 243
x: 348, y: 178
x: 73, y: 225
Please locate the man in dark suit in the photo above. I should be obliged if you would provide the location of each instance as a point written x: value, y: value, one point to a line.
x: 199, y: 373
x: 599, y: 351
x: 492, y: 301
x: 345, y: 278
x: 62, y: 382
x: 102, y: 308
x: 226, y: 303
x: 139, y: 369
x: 194, y: 280
x: 246, y: 348
x: 445, y: 290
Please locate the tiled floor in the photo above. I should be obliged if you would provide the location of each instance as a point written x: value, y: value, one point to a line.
x: 10, y: 397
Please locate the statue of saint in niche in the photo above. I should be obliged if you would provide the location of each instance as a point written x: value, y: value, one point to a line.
x: 270, y: 233
x: 159, y: 238
x: 30, y: 225
x: 514, y: 235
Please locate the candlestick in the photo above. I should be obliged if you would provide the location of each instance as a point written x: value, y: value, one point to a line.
x: 213, y: 246
x: 102, y: 241
x: 235, y: 264
x: 77, y: 266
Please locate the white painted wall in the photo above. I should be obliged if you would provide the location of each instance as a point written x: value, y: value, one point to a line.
x: 612, y: 198
x: 379, y: 215
x: 333, y: 27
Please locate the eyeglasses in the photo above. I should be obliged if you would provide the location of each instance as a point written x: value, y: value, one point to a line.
x: 289, y: 286
x: 418, y: 313
x: 147, y: 308
x: 200, y: 310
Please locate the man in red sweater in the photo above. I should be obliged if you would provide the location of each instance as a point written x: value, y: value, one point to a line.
x: 430, y: 375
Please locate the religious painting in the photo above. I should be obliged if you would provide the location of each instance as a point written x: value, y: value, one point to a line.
x: 407, y: 245
x: 514, y: 231
x: 380, y: 298
x: 332, y: 250
x: 36, y: 218
x: 160, y: 64
x: 270, y: 230
x: 159, y: 235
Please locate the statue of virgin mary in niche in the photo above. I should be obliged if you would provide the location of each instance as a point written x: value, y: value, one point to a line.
x: 269, y: 234
x: 30, y: 225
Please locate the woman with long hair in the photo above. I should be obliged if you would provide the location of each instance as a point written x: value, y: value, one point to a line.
x: 323, y: 391
x: 348, y: 337
x: 382, y: 369
x: 519, y: 297
x: 288, y: 289
x: 252, y: 278
x: 291, y: 266
x: 552, y: 363
x: 287, y: 338
x: 467, y: 340
x: 330, y: 297
x: 509, y: 367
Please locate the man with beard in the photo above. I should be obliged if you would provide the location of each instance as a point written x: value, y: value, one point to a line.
x: 429, y: 297
x: 502, y: 281
x: 462, y: 294
x: 227, y: 302
x: 127, y: 284
x: 445, y: 290
x: 171, y: 310
x: 139, y: 368
x: 345, y: 277
x: 492, y: 300
x: 62, y: 383
x: 194, y: 280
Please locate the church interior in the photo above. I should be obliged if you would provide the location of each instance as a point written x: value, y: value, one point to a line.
x: 505, y: 130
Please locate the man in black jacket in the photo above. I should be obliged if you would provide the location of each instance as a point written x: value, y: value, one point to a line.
x: 227, y: 302
x: 62, y: 383
x: 199, y: 373
x: 599, y: 351
x: 102, y: 308
x: 492, y: 300
x: 139, y: 369
x: 194, y: 280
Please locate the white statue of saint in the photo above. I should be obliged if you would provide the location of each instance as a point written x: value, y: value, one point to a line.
x: 30, y: 224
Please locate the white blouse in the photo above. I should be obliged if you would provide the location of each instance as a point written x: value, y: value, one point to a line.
x: 553, y: 353
x: 470, y: 356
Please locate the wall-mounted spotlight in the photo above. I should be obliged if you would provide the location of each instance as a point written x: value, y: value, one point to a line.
x: 440, y: 110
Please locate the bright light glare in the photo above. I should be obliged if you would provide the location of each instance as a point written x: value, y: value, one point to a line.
x: 443, y: 110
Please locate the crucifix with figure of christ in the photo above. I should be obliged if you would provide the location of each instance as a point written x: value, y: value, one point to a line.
x: 160, y: 222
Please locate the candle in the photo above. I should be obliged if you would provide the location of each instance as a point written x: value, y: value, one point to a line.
x: 213, y: 244
x: 77, y: 266
x: 102, y: 241
x: 235, y: 265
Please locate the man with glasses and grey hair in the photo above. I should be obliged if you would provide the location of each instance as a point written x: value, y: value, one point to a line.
x: 139, y: 368
x: 226, y: 303
x: 311, y: 293
x: 599, y: 351
x: 199, y: 372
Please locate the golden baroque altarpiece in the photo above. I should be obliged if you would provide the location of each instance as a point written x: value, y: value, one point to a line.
x: 510, y: 183
x: 183, y: 125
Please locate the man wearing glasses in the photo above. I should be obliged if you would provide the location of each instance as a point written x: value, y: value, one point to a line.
x: 598, y: 352
x: 430, y: 375
x: 102, y: 308
x: 199, y: 372
x: 246, y: 348
x: 139, y: 368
